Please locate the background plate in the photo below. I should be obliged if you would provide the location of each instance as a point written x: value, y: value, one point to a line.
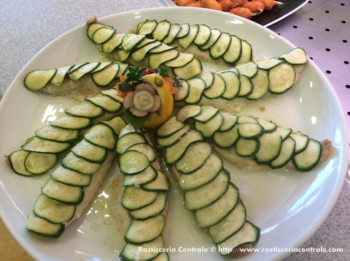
x: 267, y: 18
x: 287, y: 206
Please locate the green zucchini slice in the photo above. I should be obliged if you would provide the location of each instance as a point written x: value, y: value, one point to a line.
x: 37, y: 80
x: 143, y: 231
x: 249, y: 233
x: 136, y: 198
x: 207, y: 194
x: 206, y: 173
x: 39, y: 163
x: 43, y: 227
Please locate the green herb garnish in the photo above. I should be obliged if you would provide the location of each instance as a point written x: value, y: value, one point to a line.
x: 163, y: 71
x: 135, y: 121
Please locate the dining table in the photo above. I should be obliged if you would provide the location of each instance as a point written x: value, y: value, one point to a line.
x: 321, y: 27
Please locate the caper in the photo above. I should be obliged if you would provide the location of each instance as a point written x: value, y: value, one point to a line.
x: 159, y: 82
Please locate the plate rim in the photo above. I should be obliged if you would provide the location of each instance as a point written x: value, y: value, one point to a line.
x: 302, y: 239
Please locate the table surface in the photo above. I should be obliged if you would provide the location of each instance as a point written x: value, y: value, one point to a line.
x: 322, y: 27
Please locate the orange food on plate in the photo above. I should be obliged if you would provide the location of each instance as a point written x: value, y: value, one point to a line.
x: 243, y: 8
x: 211, y: 4
x: 239, y: 2
x: 184, y: 2
x: 243, y: 12
x: 227, y: 5
x: 195, y: 4
x: 268, y: 4
x: 256, y: 7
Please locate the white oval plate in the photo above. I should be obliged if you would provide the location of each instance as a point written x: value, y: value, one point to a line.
x: 287, y: 206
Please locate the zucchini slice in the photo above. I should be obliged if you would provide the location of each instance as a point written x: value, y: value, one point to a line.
x: 136, y: 198
x: 196, y: 87
x: 79, y: 164
x: 63, y: 193
x: 83, y: 70
x: 214, y: 36
x: 301, y: 141
x: 139, y: 54
x: 187, y: 112
x: 102, y: 35
x: 131, y: 41
x: 52, y: 210
x: 86, y: 109
x: 143, y: 177
x: 246, y: 148
x: 36, y: 144
x: 133, y: 162
x: 207, y: 113
x: 232, y: 85
x: 203, y: 35
x: 89, y: 151
x: 206, y: 173
x: 187, y: 40
x: 101, y: 135
x: 146, y: 149
x: 208, y: 79
x: 169, y: 127
x: 161, y: 31
x: 270, y: 147
x: 296, y: 57
x: 250, y: 130
x: 175, y: 152
x: 128, y: 140
x: 261, y: 83
x: 184, y: 30
x: 147, y: 27
x: 229, y: 225
x: 198, y: 150
x: 210, y: 127
x: 143, y: 231
x: 246, y: 86
x: 130, y: 251
x: 268, y: 126
x: 249, y: 233
x: 285, y: 155
x: 228, y: 121
x: 106, y: 103
x: 16, y: 160
x: 157, y: 59
x: 104, y: 77
x: 220, y: 47
x: 151, y: 210
x: 190, y: 70
x: 234, y: 51
x: 207, y: 194
x: 215, y: 212
x: 173, y: 138
x: 226, y: 139
x: 114, y: 42
x: 67, y: 121
x: 61, y: 73
x: 43, y: 227
x: 173, y: 32
x: 50, y: 132
x: 70, y: 177
x: 180, y: 61
x: 37, y: 80
x: 159, y: 184
x: 217, y: 89
x: 309, y: 157
x: 39, y: 163
x: 182, y: 92
x: 281, y: 78
x: 267, y: 64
